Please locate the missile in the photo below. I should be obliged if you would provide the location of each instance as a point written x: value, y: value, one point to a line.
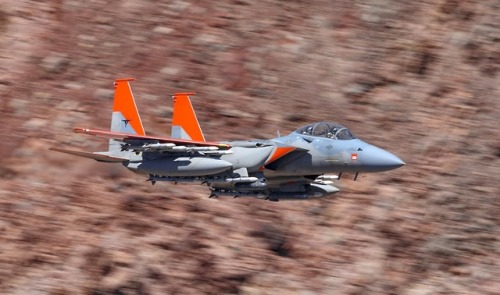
x: 175, y: 179
x: 178, y: 148
x: 241, y: 179
x: 274, y: 196
x: 216, y: 153
x: 159, y: 146
x: 148, y: 147
x: 327, y: 177
x: 181, y: 148
x: 171, y: 147
x: 219, y: 192
x: 315, y: 190
x: 203, y: 148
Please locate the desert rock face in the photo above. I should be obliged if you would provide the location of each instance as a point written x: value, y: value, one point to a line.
x: 417, y: 78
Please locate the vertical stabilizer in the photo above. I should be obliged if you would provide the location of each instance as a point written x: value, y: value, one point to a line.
x: 184, y: 122
x: 125, y: 117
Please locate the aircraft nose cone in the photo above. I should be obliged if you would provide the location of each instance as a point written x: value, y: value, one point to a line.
x: 377, y: 159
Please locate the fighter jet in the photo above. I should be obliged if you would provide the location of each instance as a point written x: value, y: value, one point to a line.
x: 299, y: 166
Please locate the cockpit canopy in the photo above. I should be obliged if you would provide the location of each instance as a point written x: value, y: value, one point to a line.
x: 328, y: 130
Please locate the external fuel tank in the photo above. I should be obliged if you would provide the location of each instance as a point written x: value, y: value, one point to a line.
x: 180, y: 166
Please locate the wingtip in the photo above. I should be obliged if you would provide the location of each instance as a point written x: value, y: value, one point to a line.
x: 80, y: 130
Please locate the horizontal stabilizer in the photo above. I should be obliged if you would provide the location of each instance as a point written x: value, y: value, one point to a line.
x: 96, y: 156
x: 126, y: 136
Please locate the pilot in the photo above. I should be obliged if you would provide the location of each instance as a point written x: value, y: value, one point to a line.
x: 309, y: 130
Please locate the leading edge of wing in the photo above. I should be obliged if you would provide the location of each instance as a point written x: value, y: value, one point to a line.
x: 124, y: 136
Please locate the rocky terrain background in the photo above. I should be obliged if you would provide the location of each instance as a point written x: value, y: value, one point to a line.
x: 419, y: 78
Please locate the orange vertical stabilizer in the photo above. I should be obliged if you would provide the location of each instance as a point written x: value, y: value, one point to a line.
x: 184, y: 122
x: 124, y: 104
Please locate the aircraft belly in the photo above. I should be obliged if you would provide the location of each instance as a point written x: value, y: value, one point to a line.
x: 180, y: 166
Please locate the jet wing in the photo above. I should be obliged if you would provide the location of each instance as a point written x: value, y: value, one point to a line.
x: 130, y: 137
x: 100, y: 157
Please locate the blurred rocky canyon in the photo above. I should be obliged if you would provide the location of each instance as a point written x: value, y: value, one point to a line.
x: 418, y: 78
